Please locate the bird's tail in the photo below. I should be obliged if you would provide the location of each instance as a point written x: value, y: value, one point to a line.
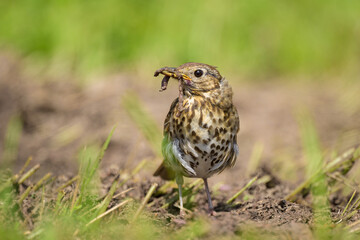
x: 165, y: 172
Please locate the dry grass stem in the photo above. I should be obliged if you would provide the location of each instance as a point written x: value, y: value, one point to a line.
x: 109, y: 211
x: 144, y: 202
x: 105, y: 203
x: 42, y: 182
x: 16, y: 176
x: 68, y: 183
x: 25, y: 194
x: 232, y: 199
x: 29, y: 173
x: 341, y: 165
x: 123, y: 192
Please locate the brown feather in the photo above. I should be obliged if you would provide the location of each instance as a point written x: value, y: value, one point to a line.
x: 164, y: 172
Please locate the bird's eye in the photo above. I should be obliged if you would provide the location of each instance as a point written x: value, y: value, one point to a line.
x: 198, y: 73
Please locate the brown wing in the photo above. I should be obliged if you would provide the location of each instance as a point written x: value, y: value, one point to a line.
x: 163, y: 171
x: 235, y: 125
x: 236, y: 130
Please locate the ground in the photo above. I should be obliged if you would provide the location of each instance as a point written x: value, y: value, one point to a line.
x: 60, y: 117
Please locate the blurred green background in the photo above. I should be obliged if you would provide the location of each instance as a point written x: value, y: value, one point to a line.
x: 252, y: 38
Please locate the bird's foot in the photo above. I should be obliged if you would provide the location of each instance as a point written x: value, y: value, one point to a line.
x: 212, y: 212
x: 182, y: 212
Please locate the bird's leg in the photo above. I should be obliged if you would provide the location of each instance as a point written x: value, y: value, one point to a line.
x: 211, y: 208
x: 180, y: 181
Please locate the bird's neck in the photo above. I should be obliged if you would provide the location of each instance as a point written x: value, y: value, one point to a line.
x: 220, y: 96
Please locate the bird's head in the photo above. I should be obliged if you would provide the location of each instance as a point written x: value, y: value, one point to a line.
x: 195, y: 77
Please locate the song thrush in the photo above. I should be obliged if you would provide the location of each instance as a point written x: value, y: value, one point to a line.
x: 201, y: 127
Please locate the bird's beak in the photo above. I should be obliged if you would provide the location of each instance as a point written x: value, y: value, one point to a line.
x: 186, y: 77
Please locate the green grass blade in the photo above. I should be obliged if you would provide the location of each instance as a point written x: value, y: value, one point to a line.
x: 105, y: 203
x: 319, y: 188
x: 11, y: 141
x: 143, y: 121
x: 90, y: 165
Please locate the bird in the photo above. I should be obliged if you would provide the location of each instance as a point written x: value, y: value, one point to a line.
x: 201, y: 127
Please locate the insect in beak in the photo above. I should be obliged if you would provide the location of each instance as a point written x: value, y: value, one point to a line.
x: 169, y: 72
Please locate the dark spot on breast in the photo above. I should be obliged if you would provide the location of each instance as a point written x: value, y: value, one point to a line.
x: 201, y: 118
x: 205, y: 125
x: 188, y: 127
x: 205, y: 141
x: 212, y: 145
x: 222, y: 148
x: 193, y: 133
x: 216, y: 132
x: 198, y: 149
x: 212, y: 152
x: 223, y: 141
x: 217, y: 147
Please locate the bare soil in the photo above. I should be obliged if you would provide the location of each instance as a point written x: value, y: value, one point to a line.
x: 60, y: 117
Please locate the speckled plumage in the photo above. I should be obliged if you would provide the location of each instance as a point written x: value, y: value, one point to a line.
x: 201, y: 126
